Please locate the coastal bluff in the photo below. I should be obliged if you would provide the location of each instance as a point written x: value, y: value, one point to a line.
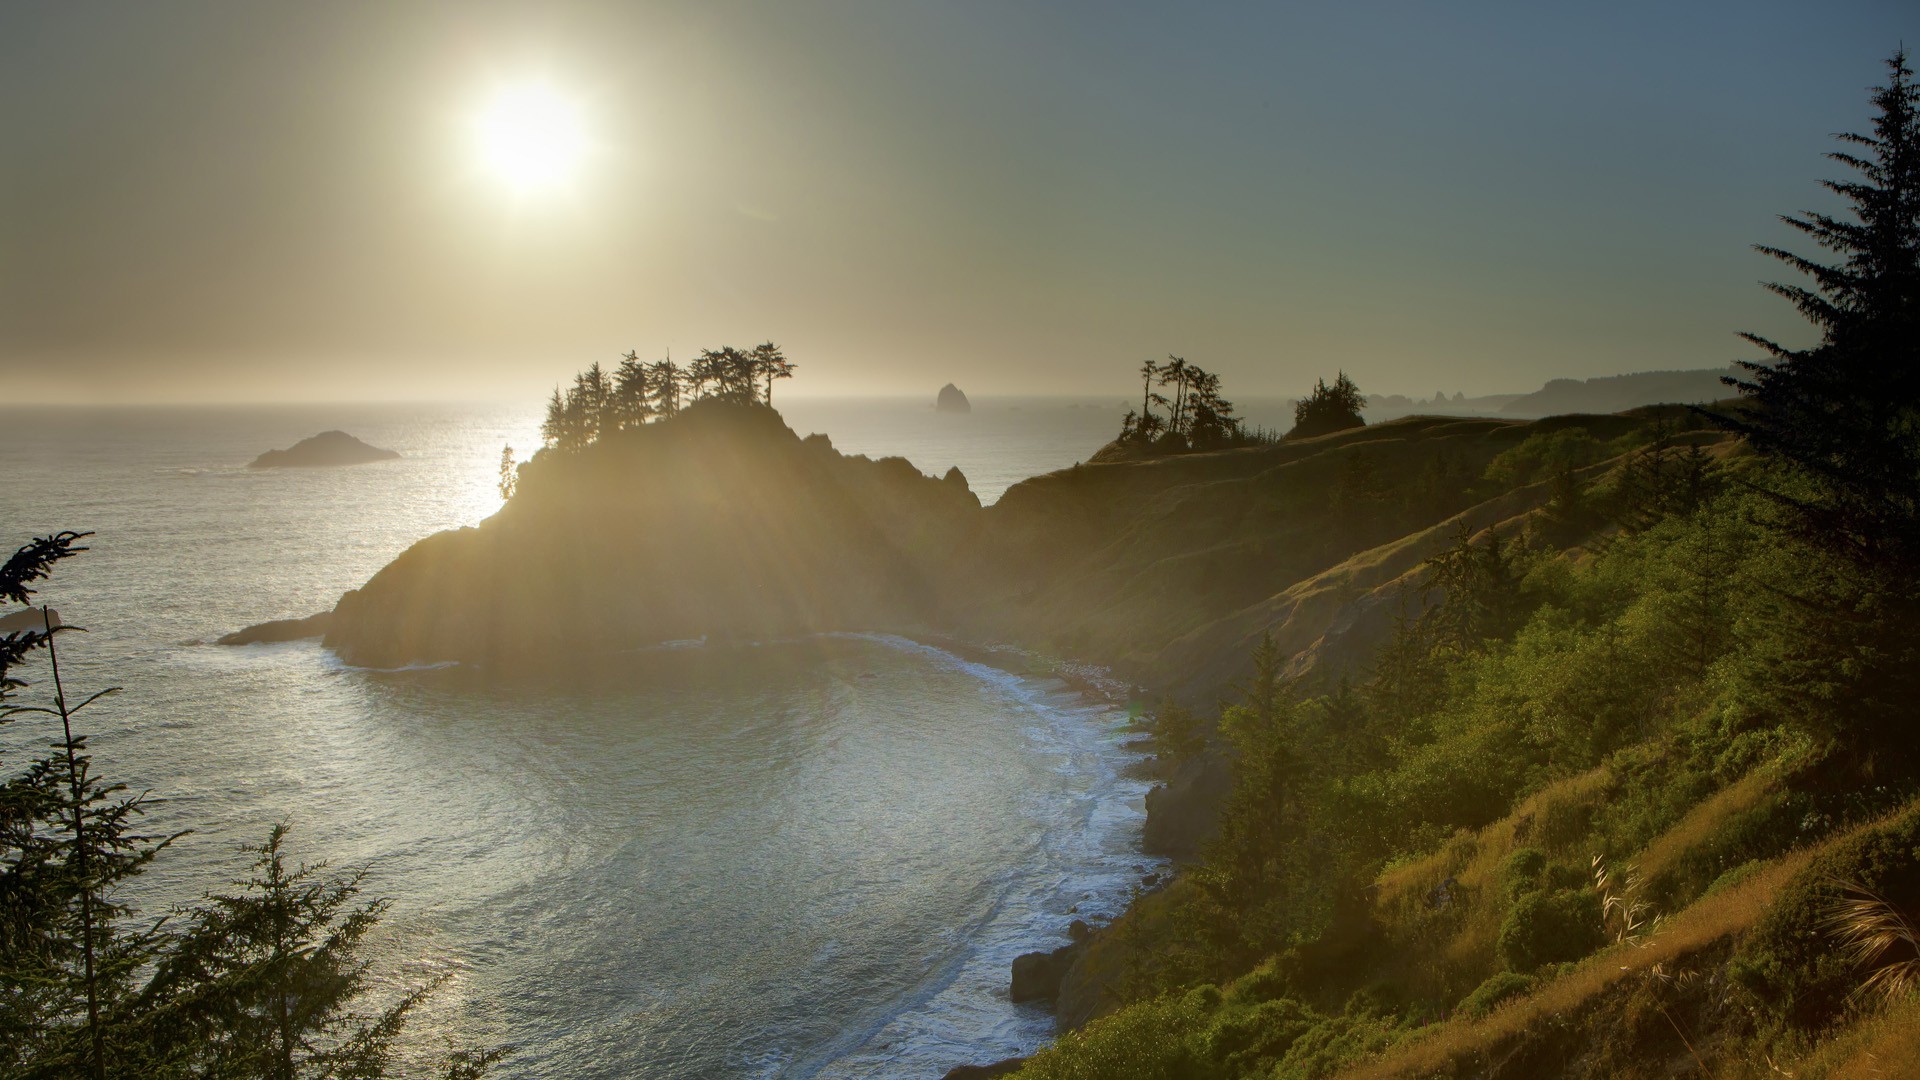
x: 324, y: 449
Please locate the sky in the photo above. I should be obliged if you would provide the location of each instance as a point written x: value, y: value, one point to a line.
x: 258, y: 202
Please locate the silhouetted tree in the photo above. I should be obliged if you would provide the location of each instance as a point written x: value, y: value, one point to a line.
x: 67, y: 843
x: 666, y: 383
x: 771, y: 364
x: 1845, y: 413
x: 1328, y: 409
x: 632, y: 399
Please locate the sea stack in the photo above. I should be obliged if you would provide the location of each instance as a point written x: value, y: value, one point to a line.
x: 952, y: 400
x: 326, y: 448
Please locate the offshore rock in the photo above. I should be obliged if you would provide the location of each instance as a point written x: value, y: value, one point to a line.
x: 952, y: 400
x: 28, y: 620
x: 326, y: 448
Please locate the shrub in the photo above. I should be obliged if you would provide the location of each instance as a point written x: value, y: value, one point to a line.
x: 1551, y: 927
x: 1500, y: 986
x: 1790, y: 971
x: 1521, y: 871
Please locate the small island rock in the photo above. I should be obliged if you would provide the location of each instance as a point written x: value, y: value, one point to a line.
x: 28, y: 621
x: 326, y: 448
x: 952, y: 400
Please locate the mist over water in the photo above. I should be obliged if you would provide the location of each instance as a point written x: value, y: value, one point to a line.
x: 810, y: 858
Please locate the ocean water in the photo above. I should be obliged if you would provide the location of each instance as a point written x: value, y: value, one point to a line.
x: 801, y: 859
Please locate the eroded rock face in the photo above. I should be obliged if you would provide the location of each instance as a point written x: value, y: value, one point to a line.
x: 952, y: 400
x: 326, y: 448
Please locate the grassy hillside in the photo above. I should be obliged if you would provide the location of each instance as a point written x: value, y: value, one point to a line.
x: 1593, y: 803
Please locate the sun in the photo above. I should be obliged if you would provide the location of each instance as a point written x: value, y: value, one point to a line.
x: 530, y: 137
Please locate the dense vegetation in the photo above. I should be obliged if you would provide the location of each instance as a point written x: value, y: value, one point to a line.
x: 1630, y: 787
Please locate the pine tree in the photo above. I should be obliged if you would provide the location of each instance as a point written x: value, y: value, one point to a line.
x: 1845, y: 413
x: 268, y: 980
x: 68, y: 842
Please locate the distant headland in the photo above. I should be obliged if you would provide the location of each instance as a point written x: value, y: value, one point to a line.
x: 326, y: 448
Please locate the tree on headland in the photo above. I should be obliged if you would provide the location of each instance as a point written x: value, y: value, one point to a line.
x: 509, y: 474
x: 1197, y: 417
x: 1328, y: 409
x: 636, y: 394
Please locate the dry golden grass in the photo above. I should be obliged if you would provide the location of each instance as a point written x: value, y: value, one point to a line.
x: 1726, y: 913
x: 1730, y: 912
x: 1884, y: 1046
x: 1703, y: 821
x: 1549, y: 818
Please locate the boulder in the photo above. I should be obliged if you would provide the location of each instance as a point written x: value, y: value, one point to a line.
x: 952, y: 400
x: 326, y: 448
x: 1184, y: 812
x: 1037, y: 975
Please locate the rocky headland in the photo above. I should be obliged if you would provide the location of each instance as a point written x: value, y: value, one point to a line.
x: 722, y: 523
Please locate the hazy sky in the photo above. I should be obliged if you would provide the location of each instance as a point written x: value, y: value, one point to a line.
x: 253, y: 201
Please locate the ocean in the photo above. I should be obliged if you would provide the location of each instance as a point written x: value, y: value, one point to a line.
x: 802, y: 859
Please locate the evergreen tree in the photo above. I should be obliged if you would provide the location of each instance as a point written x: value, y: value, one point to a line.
x: 771, y: 364
x: 666, y: 383
x: 68, y: 843
x: 1846, y: 412
x: 1328, y: 409
x: 632, y: 398
x: 509, y: 474
x: 267, y: 981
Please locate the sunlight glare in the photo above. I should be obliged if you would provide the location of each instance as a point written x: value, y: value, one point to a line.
x: 530, y: 137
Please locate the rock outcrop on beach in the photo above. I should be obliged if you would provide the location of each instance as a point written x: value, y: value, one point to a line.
x: 952, y: 400
x: 326, y: 448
